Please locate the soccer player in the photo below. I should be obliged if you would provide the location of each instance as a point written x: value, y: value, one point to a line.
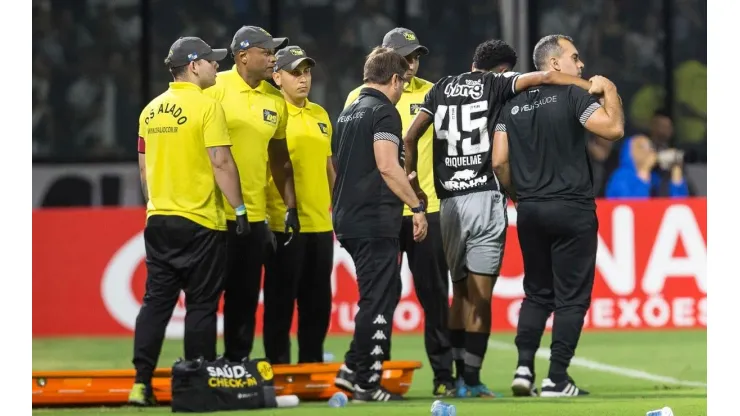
x: 370, y: 191
x: 256, y: 117
x: 301, y: 271
x: 186, y: 164
x: 473, y: 219
x: 540, y: 156
x: 426, y: 258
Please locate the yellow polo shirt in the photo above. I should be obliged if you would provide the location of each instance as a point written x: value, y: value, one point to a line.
x: 411, y: 100
x: 254, y: 116
x: 309, y: 143
x: 175, y: 129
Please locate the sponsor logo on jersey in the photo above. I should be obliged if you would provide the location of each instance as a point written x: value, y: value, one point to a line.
x: 453, y: 185
x: 270, y: 117
x: 472, y: 89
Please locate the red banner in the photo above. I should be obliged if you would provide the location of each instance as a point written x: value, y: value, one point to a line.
x: 89, y: 272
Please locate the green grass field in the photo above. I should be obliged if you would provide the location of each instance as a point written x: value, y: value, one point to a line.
x: 640, y: 358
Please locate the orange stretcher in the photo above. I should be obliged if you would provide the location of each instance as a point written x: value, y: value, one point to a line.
x: 111, y: 387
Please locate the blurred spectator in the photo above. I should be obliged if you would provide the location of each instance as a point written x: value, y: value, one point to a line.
x: 635, y: 177
x: 599, y: 150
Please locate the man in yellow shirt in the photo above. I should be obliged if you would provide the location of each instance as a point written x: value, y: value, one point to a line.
x: 256, y: 117
x: 426, y: 258
x: 301, y: 271
x: 186, y: 164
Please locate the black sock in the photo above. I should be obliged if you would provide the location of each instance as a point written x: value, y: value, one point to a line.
x: 457, y: 341
x: 558, y: 372
x: 144, y: 377
x: 476, y: 344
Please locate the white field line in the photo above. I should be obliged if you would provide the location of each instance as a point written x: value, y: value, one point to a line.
x: 544, y: 354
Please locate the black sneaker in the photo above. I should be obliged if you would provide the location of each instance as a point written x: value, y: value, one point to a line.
x: 523, y: 384
x: 565, y: 388
x: 443, y: 389
x: 345, y: 379
x: 376, y: 394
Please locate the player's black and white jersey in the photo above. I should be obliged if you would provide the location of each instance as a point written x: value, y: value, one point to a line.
x: 465, y: 108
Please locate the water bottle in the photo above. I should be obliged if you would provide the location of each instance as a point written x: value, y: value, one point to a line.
x: 339, y: 399
x: 666, y: 411
x: 440, y: 408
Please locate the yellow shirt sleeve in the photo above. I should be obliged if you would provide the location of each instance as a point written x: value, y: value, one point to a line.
x: 142, y: 122
x: 215, y: 132
x: 352, y: 96
x: 331, y: 133
x: 282, y: 119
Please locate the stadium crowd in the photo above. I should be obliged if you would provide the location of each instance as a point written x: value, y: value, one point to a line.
x: 87, y: 60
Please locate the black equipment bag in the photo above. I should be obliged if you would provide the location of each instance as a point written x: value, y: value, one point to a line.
x: 210, y: 386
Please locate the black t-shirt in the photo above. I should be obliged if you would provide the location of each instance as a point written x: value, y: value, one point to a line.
x: 362, y: 204
x: 547, y: 144
x: 465, y: 108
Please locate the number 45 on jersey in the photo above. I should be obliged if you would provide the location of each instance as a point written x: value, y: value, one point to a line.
x: 471, y: 126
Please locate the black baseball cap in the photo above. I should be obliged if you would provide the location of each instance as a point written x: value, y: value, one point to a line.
x: 253, y: 36
x: 188, y: 49
x: 290, y: 57
x: 403, y: 41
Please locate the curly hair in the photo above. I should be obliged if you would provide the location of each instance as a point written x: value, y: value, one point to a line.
x: 492, y: 53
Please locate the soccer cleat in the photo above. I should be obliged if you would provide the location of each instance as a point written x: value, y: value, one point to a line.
x: 465, y: 391
x: 141, y: 395
x: 345, y: 379
x: 376, y: 394
x: 523, y: 384
x: 444, y: 389
x: 565, y: 388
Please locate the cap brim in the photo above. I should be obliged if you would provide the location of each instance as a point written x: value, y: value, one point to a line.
x: 293, y: 65
x: 409, y: 49
x: 217, y: 54
x: 275, y: 43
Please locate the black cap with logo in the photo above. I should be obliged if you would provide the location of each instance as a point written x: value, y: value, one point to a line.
x: 290, y: 57
x: 404, y: 42
x: 253, y: 36
x: 188, y: 49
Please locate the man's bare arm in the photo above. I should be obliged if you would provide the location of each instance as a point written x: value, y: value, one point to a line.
x: 226, y: 174
x: 142, y: 175
x: 418, y: 127
x: 607, y: 121
x: 282, y: 170
x: 533, y: 79
x: 331, y: 174
x: 500, y: 159
x: 386, y: 158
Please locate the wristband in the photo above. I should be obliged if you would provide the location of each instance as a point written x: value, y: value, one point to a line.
x: 240, y: 210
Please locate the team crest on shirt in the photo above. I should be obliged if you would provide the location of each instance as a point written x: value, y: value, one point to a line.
x: 415, y: 109
x: 270, y: 117
x: 324, y: 129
